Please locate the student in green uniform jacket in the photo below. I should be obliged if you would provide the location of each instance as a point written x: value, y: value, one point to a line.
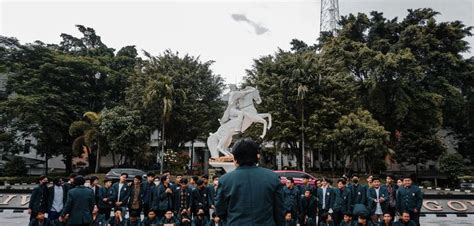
x: 326, y: 220
x: 289, y: 221
x: 168, y: 219
x: 387, y: 220
x: 363, y: 221
x: 239, y: 202
x: 405, y: 220
x: 410, y: 199
x: 308, y: 207
x: 342, y: 200
x: 347, y: 220
x: 97, y: 219
x: 79, y: 204
x: 151, y: 219
x: 41, y: 220
x: 118, y: 219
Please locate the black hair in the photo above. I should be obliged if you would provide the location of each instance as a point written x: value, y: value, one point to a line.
x: 347, y: 213
x: 309, y: 189
x: 214, y: 177
x: 93, y: 178
x: 42, y: 177
x: 375, y: 178
x: 56, y: 180
x: 166, y: 171
x: 287, y: 212
x: 200, y: 182
x: 73, y: 175
x: 117, y: 209
x: 126, y: 174
x: 183, y: 181
x: 195, y: 178
x: 79, y: 180
x: 150, y: 174
x: 138, y: 177
x: 305, y: 177
x: 362, y: 217
x: 107, y: 180
x: 324, y: 217
x: 163, y: 178
x: 214, y: 215
x: 341, y: 180
x: 391, y: 176
x: 290, y: 179
x: 404, y: 212
x: 245, y: 152
x: 355, y: 175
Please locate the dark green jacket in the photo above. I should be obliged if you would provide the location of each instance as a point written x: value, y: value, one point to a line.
x: 328, y: 199
x: 409, y: 199
x: 104, y: 193
x: 148, y: 191
x: 79, y: 205
x: 51, y: 196
x: 410, y: 223
x: 161, y: 199
x: 359, y: 193
x: 46, y: 222
x: 124, y: 194
x: 372, y: 196
x: 147, y: 221
x: 39, y: 199
x: 342, y: 200
x: 99, y: 221
x: 291, y: 198
x: 250, y: 195
x: 308, y: 207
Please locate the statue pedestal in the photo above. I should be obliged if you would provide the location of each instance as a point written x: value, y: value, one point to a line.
x: 225, y: 162
x: 227, y: 166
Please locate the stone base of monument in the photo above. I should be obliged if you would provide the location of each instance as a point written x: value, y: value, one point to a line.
x: 224, y: 162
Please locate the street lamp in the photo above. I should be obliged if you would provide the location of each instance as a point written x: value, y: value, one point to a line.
x: 302, y: 89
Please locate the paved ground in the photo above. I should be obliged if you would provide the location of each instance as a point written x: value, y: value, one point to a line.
x: 11, y: 218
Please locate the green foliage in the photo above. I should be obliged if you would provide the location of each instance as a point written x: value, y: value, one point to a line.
x: 16, y: 167
x: 453, y: 166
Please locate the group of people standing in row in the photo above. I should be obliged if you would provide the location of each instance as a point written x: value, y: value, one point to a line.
x: 249, y: 195
x: 352, y: 203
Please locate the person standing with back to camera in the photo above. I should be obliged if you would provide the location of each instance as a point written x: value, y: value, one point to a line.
x: 249, y: 195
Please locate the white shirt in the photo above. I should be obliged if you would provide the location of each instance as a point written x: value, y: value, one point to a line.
x: 378, y: 209
x: 120, y: 188
x: 324, y: 197
x: 58, y: 199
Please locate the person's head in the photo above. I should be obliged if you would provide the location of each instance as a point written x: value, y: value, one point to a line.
x: 407, y: 182
x: 369, y: 179
x: 205, y: 178
x: 288, y: 216
x: 178, y: 178
x: 400, y: 183
x: 107, y: 183
x: 245, y: 152
x: 362, y: 220
x: 341, y: 183
x: 326, y: 218
x: 307, y: 193
x: 318, y: 183
x: 305, y: 179
x: 40, y: 216
x: 347, y: 217
x: 43, y: 180
x: 168, y: 214
x: 376, y: 182
x: 151, y: 215
x: 167, y: 173
x: 290, y: 182
x: 94, y: 181
x: 184, y: 212
x: 215, y: 180
x: 165, y: 179
x: 183, y: 182
x: 118, y: 212
x: 355, y: 179
x: 71, y: 177
x: 405, y: 217
x: 123, y: 177
x: 200, y: 184
x: 387, y: 217
x: 57, y: 181
x: 194, y: 179
x: 215, y: 218
x: 79, y: 180
x: 87, y: 182
x: 133, y: 219
x: 389, y: 179
x: 324, y: 182
x: 150, y: 177
x: 137, y: 180
x: 200, y: 213
x: 95, y: 210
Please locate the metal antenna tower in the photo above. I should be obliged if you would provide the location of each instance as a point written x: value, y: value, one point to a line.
x: 329, y: 15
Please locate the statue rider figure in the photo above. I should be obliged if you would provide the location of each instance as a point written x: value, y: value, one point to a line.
x: 232, y: 112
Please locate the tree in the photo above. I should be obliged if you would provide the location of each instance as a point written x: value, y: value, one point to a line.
x: 87, y: 136
x: 16, y: 167
x: 453, y: 166
x: 359, y: 136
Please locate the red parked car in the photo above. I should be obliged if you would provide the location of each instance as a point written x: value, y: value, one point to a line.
x: 297, y: 176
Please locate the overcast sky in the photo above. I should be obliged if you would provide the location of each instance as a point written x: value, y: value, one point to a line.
x: 231, y: 33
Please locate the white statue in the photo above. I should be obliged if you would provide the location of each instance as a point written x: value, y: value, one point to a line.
x: 239, y: 115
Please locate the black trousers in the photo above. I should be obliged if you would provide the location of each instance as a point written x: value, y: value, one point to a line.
x: 146, y: 209
x: 105, y: 212
x: 415, y: 217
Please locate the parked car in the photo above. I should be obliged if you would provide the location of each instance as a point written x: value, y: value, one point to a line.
x: 467, y: 184
x: 114, y: 174
x: 297, y: 176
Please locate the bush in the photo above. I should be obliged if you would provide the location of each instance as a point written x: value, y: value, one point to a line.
x: 16, y: 167
x: 426, y: 183
x: 452, y: 165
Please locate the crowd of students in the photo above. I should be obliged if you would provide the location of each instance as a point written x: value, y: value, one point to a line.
x: 191, y: 203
